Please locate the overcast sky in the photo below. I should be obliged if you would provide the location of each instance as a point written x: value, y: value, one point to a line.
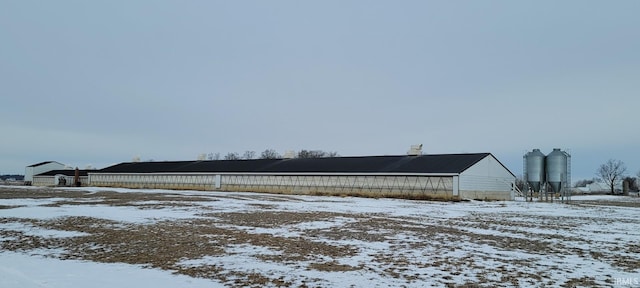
x: 100, y: 82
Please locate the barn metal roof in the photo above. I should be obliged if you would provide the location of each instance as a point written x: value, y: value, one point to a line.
x: 43, y: 163
x: 66, y: 172
x: 440, y: 163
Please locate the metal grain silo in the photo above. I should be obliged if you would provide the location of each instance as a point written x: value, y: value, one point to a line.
x: 556, y: 166
x: 534, y: 165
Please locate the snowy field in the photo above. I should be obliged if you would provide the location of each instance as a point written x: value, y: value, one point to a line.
x: 90, y: 237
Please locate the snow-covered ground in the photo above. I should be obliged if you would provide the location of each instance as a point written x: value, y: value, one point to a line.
x: 24, y: 270
x: 79, y: 237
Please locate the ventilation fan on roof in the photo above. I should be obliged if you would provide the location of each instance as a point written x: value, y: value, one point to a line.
x: 415, y: 150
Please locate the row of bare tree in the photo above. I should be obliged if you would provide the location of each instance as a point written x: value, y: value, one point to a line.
x: 270, y: 154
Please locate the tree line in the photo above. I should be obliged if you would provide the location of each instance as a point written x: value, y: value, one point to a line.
x: 11, y: 176
x: 269, y: 154
x: 612, y: 173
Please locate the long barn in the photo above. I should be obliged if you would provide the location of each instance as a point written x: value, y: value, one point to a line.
x: 444, y: 176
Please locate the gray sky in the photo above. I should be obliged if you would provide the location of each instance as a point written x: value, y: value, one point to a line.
x: 99, y: 82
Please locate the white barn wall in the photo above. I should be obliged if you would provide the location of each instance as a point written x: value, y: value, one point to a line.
x: 43, y: 181
x: 29, y: 171
x: 471, y: 185
x: 487, y: 179
x: 410, y: 186
x: 154, y: 180
x: 51, y: 180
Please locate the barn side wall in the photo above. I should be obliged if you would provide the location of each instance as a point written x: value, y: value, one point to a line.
x: 43, y: 181
x: 398, y: 186
x: 51, y: 181
x: 487, y: 180
x: 486, y: 195
x: 30, y: 172
x: 154, y: 181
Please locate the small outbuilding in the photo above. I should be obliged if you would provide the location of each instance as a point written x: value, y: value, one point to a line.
x: 40, y: 168
x: 431, y: 176
x: 66, y: 177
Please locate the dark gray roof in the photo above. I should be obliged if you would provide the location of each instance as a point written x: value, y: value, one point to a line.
x: 66, y: 172
x: 42, y: 163
x: 443, y: 163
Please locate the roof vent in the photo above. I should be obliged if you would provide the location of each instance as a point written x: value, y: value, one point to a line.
x: 289, y: 154
x: 415, y: 150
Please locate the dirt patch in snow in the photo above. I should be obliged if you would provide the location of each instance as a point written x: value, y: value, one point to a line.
x: 272, y: 219
x: 9, y: 206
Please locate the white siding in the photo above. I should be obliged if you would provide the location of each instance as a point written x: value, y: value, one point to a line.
x: 487, y: 179
x: 408, y: 186
x: 372, y: 185
x: 51, y: 180
x: 456, y: 185
x: 29, y: 172
x: 154, y: 180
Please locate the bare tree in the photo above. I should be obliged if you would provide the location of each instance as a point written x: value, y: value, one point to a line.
x: 305, y: 154
x: 520, y: 182
x: 611, y: 173
x: 249, y: 155
x: 333, y: 154
x: 316, y: 154
x: 311, y: 154
x: 269, y: 154
x: 232, y: 156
